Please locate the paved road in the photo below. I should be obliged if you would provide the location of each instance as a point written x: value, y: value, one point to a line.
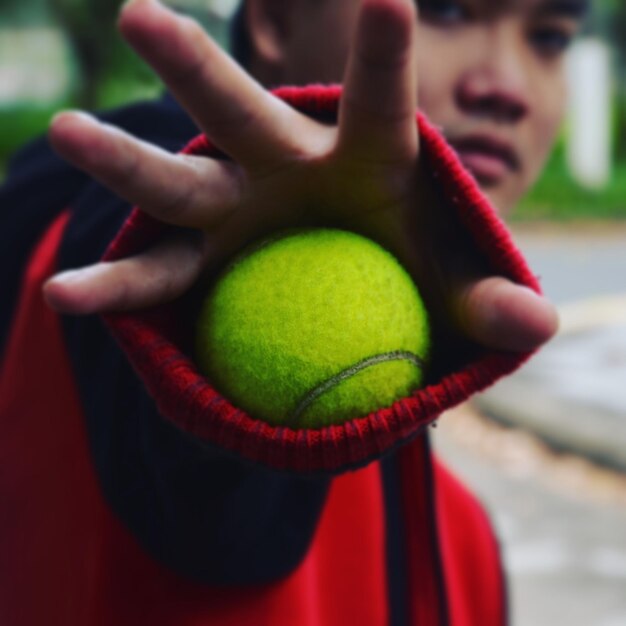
x: 561, y: 520
x: 576, y: 262
x: 573, y: 392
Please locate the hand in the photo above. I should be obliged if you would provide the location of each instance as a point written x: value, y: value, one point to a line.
x: 285, y: 170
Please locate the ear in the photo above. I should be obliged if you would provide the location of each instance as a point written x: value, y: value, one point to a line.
x: 269, y: 28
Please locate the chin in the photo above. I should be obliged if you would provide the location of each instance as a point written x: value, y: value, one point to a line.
x: 502, y: 196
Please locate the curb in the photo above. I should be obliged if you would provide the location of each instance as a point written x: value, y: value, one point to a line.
x: 580, y: 410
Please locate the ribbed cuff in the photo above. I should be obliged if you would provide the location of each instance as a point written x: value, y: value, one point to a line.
x: 158, y: 347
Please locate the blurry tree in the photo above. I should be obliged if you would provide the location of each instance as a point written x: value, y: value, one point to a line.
x: 18, y: 12
x: 100, y: 56
x: 107, y: 71
x: 87, y: 27
x: 607, y: 20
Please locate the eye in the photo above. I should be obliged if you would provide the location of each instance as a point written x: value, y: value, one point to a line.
x: 442, y: 11
x: 551, y: 41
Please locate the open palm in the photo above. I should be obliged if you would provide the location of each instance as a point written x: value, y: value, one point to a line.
x: 284, y: 169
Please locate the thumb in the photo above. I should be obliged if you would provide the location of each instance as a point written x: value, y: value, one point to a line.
x: 157, y: 275
x: 500, y: 314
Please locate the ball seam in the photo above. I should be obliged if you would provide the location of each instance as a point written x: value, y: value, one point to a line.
x: 329, y: 383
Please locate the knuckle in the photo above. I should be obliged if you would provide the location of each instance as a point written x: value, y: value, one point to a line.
x: 175, y: 203
x: 123, y: 277
x: 376, y: 114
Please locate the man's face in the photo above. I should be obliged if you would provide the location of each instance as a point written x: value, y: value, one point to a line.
x: 491, y: 76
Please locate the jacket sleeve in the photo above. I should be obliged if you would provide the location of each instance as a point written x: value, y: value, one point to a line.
x: 206, y: 515
x: 38, y: 186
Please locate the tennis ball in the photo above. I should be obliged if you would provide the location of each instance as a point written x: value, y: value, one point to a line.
x: 313, y: 327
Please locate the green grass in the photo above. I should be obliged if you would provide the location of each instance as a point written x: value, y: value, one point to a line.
x: 114, y: 92
x: 22, y: 122
x: 557, y: 197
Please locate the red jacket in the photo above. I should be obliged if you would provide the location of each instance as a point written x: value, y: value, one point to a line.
x: 117, y: 508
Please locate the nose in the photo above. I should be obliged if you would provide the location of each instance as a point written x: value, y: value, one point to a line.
x: 494, y: 86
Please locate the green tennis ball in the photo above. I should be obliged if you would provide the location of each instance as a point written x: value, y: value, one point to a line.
x: 313, y: 327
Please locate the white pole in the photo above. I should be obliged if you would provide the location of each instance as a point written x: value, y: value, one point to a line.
x: 589, y: 113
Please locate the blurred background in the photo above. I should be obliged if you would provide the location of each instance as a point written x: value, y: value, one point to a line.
x: 56, y: 54
x: 545, y: 449
x: 66, y: 53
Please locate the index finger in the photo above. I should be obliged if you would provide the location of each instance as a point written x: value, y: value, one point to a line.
x: 243, y: 119
x: 378, y: 106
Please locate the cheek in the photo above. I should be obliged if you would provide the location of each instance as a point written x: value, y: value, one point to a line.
x: 548, y: 112
x: 538, y: 136
x: 437, y: 71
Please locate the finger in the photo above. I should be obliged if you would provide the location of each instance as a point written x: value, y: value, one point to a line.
x: 159, y: 275
x: 236, y: 113
x: 500, y: 314
x: 378, y: 106
x: 187, y: 191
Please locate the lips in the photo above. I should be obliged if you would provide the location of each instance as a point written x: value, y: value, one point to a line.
x: 489, y: 159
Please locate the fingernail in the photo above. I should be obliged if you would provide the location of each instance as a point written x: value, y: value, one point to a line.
x: 70, y: 277
x: 71, y: 116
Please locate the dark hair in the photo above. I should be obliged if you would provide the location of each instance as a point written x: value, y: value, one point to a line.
x: 240, y: 45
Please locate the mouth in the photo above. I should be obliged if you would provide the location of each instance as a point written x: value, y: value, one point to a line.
x: 488, y: 158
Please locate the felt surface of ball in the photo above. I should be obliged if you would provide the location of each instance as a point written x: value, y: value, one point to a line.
x: 313, y: 327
